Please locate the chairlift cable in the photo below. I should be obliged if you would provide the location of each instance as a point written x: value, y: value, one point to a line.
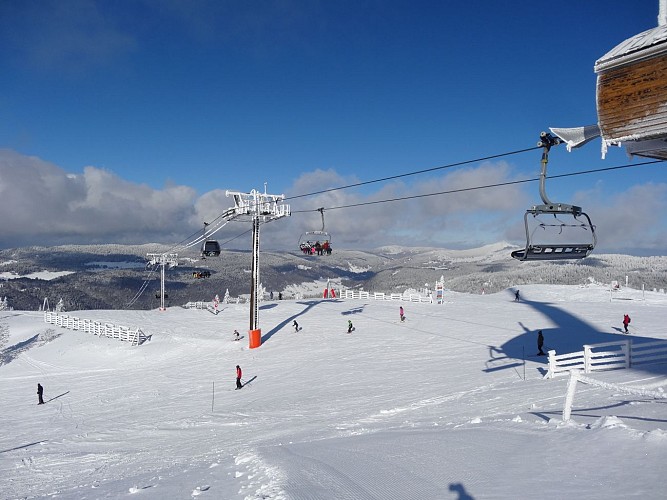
x: 486, y: 186
x: 416, y: 172
x: 143, y: 287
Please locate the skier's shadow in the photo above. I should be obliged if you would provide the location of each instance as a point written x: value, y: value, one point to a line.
x: 56, y: 397
x: 356, y: 310
x: 499, y: 360
x: 248, y: 381
x: 22, y: 446
x: 459, y: 489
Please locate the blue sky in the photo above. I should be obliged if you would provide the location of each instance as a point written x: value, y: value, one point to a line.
x: 129, y: 119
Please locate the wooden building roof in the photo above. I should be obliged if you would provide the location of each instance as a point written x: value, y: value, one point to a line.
x: 642, y: 46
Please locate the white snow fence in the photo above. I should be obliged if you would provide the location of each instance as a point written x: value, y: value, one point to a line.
x: 607, y: 356
x: 123, y: 333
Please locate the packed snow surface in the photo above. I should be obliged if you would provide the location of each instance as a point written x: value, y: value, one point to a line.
x: 450, y: 404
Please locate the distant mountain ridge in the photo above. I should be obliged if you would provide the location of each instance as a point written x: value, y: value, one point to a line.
x: 110, y: 276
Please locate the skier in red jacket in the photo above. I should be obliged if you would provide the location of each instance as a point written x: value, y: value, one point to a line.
x: 626, y: 322
x: 239, y: 374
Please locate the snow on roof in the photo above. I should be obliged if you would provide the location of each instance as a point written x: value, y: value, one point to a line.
x: 645, y: 44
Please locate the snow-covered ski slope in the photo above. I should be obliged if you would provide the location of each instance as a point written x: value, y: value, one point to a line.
x: 439, y: 407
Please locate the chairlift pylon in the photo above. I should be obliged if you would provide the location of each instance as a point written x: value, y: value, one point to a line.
x: 537, y: 250
x: 209, y: 248
x: 316, y: 242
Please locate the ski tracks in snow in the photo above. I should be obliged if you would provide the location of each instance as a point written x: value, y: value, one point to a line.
x: 386, y: 414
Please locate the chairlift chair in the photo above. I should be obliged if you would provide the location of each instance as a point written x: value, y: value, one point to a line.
x: 537, y: 250
x: 309, y: 240
x: 210, y: 248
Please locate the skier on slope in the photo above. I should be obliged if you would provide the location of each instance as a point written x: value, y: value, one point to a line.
x: 40, y: 392
x: 239, y: 374
x: 517, y: 296
x: 540, y: 343
x: 401, y: 313
x: 626, y: 322
x: 349, y: 326
x: 295, y: 325
x: 237, y: 335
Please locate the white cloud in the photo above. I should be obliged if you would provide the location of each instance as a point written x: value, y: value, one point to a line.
x: 43, y: 204
x: 632, y: 221
x: 472, y: 217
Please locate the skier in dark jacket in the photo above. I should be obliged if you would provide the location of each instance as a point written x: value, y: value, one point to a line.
x: 349, y: 326
x: 540, y: 343
x: 239, y: 374
x: 295, y: 325
x: 40, y: 392
x: 517, y: 296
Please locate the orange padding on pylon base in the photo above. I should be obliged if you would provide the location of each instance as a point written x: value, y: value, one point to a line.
x: 255, y: 338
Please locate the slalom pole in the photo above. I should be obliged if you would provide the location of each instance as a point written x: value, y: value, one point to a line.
x: 523, y: 349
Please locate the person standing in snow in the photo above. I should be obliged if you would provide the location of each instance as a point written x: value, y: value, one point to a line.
x: 237, y: 335
x: 40, y: 392
x: 626, y: 322
x: 239, y: 374
x: 401, y: 313
x: 349, y: 326
x: 517, y: 298
x: 540, y: 343
x: 295, y: 325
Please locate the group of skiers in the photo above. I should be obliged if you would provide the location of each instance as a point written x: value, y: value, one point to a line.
x: 310, y: 248
x: 350, y: 329
x: 401, y: 311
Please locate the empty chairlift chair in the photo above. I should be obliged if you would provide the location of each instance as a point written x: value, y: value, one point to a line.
x: 210, y: 248
x: 566, y: 233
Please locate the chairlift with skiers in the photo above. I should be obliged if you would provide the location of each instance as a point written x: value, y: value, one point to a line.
x: 316, y: 242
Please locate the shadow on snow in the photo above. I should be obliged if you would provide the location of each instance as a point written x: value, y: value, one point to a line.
x: 569, y: 334
x: 288, y: 321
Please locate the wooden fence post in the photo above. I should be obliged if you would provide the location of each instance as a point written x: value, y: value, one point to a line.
x: 569, y: 398
x: 552, y: 364
x: 587, y: 359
